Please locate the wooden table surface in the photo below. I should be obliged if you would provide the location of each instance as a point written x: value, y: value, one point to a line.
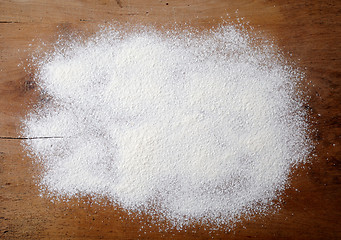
x: 309, y: 30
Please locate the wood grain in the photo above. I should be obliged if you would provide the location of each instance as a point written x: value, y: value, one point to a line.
x: 308, y: 32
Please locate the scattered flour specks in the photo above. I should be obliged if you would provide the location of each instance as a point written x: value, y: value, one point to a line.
x: 191, y: 126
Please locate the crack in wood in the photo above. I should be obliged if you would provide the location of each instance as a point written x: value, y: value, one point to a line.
x: 8, y: 22
x: 29, y: 138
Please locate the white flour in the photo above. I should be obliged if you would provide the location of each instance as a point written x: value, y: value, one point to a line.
x: 193, y: 127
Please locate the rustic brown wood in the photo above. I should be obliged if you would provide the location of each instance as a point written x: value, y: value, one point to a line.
x: 309, y: 30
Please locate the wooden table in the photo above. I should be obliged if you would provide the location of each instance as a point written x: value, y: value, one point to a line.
x: 309, y: 30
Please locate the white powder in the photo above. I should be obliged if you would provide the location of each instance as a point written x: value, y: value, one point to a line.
x: 193, y: 127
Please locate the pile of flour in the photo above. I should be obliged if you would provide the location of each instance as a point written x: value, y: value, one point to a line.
x: 191, y: 126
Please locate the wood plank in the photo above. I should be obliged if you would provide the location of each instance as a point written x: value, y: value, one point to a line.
x: 309, y: 30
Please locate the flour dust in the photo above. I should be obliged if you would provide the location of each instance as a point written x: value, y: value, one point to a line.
x: 193, y: 127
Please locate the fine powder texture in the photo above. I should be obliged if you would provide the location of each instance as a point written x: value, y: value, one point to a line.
x: 186, y: 125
